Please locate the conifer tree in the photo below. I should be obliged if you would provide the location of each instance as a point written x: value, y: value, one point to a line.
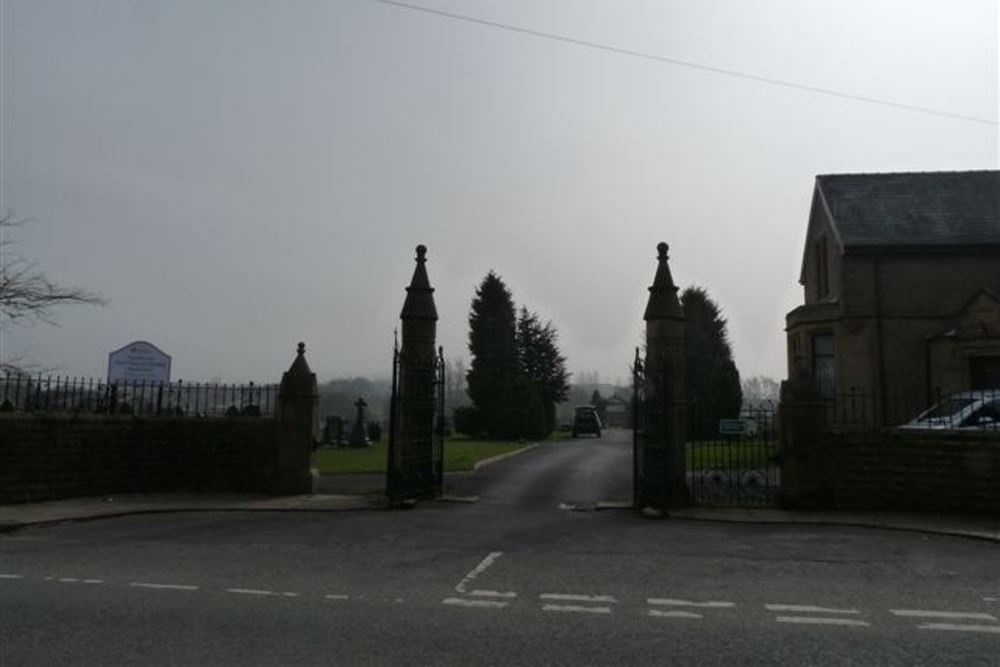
x: 492, y: 346
x: 713, y: 382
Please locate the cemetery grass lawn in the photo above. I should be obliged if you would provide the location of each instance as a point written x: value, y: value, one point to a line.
x: 738, y: 455
x: 460, y: 453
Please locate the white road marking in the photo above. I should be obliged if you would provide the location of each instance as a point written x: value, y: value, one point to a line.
x: 493, y: 594
x: 482, y: 604
x: 11, y: 576
x: 338, y: 597
x: 809, y: 609
x: 68, y: 580
x: 478, y: 570
x: 659, y: 613
x: 288, y: 594
x: 821, y: 620
x: 92, y: 581
x: 712, y: 604
x: 172, y: 587
x: 991, y: 629
x: 926, y: 613
x: 573, y: 597
x: 572, y: 608
x: 990, y: 599
x: 250, y: 591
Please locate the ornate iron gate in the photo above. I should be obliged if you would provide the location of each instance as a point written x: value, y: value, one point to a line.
x: 731, y: 462
x: 728, y: 462
x: 415, y: 459
x: 650, y: 456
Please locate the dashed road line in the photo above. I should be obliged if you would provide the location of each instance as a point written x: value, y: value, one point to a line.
x: 711, y: 604
x: 481, y: 604
x: 68, y: 580
x: 493, y: 594
x: 578, y: 609
x: 574, y: 597
x: 927, y: 613
x: 11, y: 576
x: 169, y: 587
x: 253, y: 591
x: 989, y: 629
x: 91, y: 581
x: 809, y: 609
x: 822, y: 620
x: 478, y: 570
x: 334, y: 596
x: 673, y: 613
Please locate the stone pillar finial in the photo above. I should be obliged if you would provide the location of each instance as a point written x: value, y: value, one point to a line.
x: 663, y: 303
x: 301, y: 349
x: 419, y: 304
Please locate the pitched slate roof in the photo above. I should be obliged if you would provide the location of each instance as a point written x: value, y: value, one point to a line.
x: 913, y: 210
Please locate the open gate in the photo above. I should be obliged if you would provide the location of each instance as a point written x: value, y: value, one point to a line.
x: 415, y: 465
x: 650, y: 437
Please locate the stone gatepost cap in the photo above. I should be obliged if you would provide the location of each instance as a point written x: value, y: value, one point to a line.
x: 419, y: 304
x: 298, y: 379
x: 663, y: 303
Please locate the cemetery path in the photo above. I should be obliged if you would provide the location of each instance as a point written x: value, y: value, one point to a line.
x: 568, y: 474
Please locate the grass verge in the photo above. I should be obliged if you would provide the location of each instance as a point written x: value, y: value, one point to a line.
x: 460, y: 453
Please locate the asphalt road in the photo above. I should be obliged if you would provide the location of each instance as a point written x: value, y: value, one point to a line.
x: 530, y: 574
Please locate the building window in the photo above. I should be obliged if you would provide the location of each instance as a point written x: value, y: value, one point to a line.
x: 822, y: 269
x: 823, y: 363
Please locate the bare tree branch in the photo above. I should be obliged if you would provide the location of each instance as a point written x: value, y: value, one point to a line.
x: 26, y: 294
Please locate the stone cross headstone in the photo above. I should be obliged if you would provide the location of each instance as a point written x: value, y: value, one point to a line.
x: 359, y: 434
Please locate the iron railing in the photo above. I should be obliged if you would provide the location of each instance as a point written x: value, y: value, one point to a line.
x: 861, y: 409
x: 75, y: 395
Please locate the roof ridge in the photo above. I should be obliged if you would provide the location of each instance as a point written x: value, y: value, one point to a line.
x: 909, y: 173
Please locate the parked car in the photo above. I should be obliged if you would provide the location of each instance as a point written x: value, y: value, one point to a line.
x: 586, y: 421
x: 969, y: 410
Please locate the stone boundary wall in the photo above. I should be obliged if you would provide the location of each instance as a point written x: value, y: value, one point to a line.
x: 890, y: 470
x: 45, y: 457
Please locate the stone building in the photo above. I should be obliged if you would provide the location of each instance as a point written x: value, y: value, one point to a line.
x: 901, y: 281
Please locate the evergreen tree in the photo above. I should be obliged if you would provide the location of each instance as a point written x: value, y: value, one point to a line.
x: 492, y: 345
x: 713, y: 382
x: 542, y: 364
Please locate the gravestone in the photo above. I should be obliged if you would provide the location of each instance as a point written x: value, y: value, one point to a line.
x: 359, y: 434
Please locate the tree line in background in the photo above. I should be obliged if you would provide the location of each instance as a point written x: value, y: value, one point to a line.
x: 517, y: 374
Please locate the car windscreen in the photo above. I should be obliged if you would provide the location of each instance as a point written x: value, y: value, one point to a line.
x: 947, y: 407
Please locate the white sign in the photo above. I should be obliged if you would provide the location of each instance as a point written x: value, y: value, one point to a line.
x: 137, y: 362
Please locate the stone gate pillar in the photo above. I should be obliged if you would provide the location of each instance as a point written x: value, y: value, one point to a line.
x: 298, y: 401
x: 665, y: 381
x: 414, y: 466
x: 804, y: 453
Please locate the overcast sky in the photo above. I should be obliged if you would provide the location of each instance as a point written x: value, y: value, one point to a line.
x: 237, y: 176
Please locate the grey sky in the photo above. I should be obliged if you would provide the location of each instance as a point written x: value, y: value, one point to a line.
x: 238, y: 176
